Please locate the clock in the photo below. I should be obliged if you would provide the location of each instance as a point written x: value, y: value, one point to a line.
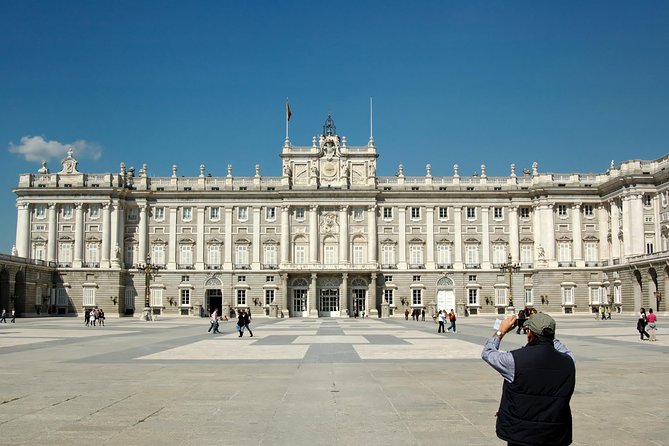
x: 329, y: 169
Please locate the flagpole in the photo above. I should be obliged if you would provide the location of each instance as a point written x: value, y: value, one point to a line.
x: 287, y: 120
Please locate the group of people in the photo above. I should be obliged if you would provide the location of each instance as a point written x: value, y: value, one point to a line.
x: 243, y: 321
x: 647, y: 320
x: 417, y: 314
x: 603, y: 312
x: 441, y: 319
x: 94, y: 316
x: 3, y: 318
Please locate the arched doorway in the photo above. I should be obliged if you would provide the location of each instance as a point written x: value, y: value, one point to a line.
x: 299, y: 298
x: 359, y: 297
x: 328, y: 297
x: 445, y: 294
x: 213, y: 298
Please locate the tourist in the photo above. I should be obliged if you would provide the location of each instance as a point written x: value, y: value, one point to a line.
x: 247, y: 322
x: 87, y: 315
x: 440, y: 319
x: 521, y: 321
x: 452, y: 319
x: 652, y: 324
x: 213, y: 321
x: 3, y: 318
x: 539, y: 380
x: 91, y: 317
x: 101, y: 317
x: 13, y: 321
x: 602, y: 311
x: 422, y: 314
x: 406, y: 314
x: 641, y: 324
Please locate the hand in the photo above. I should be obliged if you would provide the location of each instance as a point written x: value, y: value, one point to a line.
x: 507, y: 324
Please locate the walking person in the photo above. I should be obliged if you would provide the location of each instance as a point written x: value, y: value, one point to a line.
x: 247, y: 322
x: 87, y: 315
x: 539, y: 380
x: 240, y: 322
x: 406, y: 314
x: 13, y: 321
x: 602, y: 311
x: 101, y: 317
x: 452, y: 319
x: 213, y: 321
x: 91, y: 318
x: 521, y: 321
x: 641, y: 324
x: 652, y: 324
x: 3, y: 318
x: 422, y: 315
x: 440, y: 319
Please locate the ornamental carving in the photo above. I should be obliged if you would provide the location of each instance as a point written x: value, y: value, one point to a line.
x: 329, y: 223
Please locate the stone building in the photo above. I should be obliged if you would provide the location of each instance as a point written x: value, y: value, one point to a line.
x: 330, y: 238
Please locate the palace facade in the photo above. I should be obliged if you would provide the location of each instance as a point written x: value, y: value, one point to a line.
x: 330, y: 238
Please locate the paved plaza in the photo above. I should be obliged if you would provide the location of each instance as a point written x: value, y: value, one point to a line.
x: 308, y: 382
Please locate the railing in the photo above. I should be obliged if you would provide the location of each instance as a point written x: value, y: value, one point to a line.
x: 472, y: 266
x: 648, y: 257
x: 185, y: 266
x: 213, y: 266
x: 17, y: 259
x: 566, y: 264
x: 90, y: 264
x: 416, y: 266
x: 444, y: 266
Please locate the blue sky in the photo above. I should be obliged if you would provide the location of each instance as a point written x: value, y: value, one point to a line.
x: 569, y: 84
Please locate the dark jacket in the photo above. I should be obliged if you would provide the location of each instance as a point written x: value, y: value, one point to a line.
x: 535, y: 407
x: 247, y: 319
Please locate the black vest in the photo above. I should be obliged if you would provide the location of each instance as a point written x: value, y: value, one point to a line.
x: 535, y: 407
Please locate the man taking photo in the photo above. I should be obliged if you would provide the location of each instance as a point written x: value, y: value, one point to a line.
x: 539, y: 381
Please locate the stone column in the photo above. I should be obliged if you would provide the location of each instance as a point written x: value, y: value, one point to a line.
x: 345, y: 310
x: 548, y: 221
x: 485, y: 237
x: 514, y: 248
x: 51, y: 253
x: 457, y: 245
x: 343, y: 234
x: 429, y: 214
x: 285, y: 301
x: 106, y: 235
x: 143, y: 232
x: 227, y: 244
x: 313, y: 296
x: 255, y: 248
x: 577, y: 238
x: 200, y: 247
x: 172, y: 246
x: 402, y: 236
x: 371, y: 304
x: 115, y: 244
x: 536, y: 234
x: 636, y: 224
x: 603, y: 224
x: 23, y: 229
x: 313, y: 233
x: 616, y: 250
x: 78, y: 235
x: 371, y: 229
x: 285, y: 234
x: 656, y: 226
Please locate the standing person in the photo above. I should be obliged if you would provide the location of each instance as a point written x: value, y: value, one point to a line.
x: 539, y: 380
x: 13, y: 321
x: 240, y: 322
x: 652, y: 324
x: 422, y: 314
x: 602, y: 311
x: 87, y: 315
x: 441, y: 320
x: 3, y: 318
x: 452, y: 319
x: 406, y: 314
x: 247, y: 322
x: 91, y: 318
x: 213, y: 321
x: 101, y: 316
x: 641, y: 324
x: 521, y: 321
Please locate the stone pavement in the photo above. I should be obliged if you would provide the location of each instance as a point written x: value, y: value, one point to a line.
x: 307, y: 382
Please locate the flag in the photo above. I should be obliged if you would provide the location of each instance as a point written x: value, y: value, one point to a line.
x: 288, y: 112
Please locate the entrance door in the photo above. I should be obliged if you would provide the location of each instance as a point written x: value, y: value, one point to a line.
x: 214, y: 301
x: 445, y: 300
x: 359, y: 302
x: 299, y: 304
x: 328, y: 305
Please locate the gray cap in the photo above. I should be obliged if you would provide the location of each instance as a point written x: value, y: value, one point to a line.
x: 541, y: 324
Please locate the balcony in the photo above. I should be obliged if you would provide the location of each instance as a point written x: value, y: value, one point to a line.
x: 91, y: 264
x: 213, y: 266
x: 592, y: 264
x: 388, y: 266
x: 526, y: 266
x: 64, y: 264
x: 444, y: 266
x: 416, y: 266
x: 566, y: 264
x: 472, y: 266
x: 185, y: 266
x: 242, y: 266
x: 270, y: 266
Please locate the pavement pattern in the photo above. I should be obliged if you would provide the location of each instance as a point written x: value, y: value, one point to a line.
x: 308, y: 382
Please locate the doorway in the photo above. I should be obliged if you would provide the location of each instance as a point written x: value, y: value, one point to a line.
x: 214, y: 300
x: 359, y: 306
x: 328, y: 305
x: 445, y: 300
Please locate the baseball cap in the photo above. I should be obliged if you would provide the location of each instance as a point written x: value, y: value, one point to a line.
x: 541, y: 324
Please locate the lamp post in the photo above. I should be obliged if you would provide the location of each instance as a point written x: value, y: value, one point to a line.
x: 510, y: 267
x: 149, y: 269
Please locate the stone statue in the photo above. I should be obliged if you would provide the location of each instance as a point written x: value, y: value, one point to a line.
x: 286, y: 169
x: 372, y: 170
x: 542, y: 253
x: 15, y: 252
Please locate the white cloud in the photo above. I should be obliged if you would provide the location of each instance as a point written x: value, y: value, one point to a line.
x: 36, y: 148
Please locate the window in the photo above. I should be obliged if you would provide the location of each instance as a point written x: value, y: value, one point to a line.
x: 389, y: 296
x: 269, y: 278
x: 156, y: 298
x: 473, y: 296
x: 269, y: 297
x: 242, y: 213
x: 472, y: 254
x: 39, y: 252
x: 524, y: 212
x: 329, y: 255
x: 568, y: 295
x: 388, y: 255
x: 186, y: 255
x: 417, y: 296
x: 649, y: 247
x: 500, y: 297
x: 67, y: 210
x: 498, y: 254
x: 529, y: 297
x: 241, y: 297
x: 65, y: 253
x: 471, y: 213
x: 647, y: 200
x: 159, y: 213
x: 40, y: 227
x: 416, y: 278
x: 591, y: 252
x: 562, y: 210
x: 214, y: 213
x: 270, y: 213
x: 498, y: 213
x: 185, y: 297
x: 40, y: 211
x: 595, y: 295
x: 358, y: 254
x: 526, y: 254
x: 444, y: 254
x: 94, y: 210
x: 241, y: 278
x: 387, y: 213
x: 300, y: 255
x: 415, y: 213
x: 564, y: 252
x: 242, y: 255
x: 185, y: 279
x: 617, y: 295
x: 416, y: 255
x: 357, y: 214
x: 131, y: 253
x: 387, y: 278
x: 158, y: 254
x: 443, y: 213
x: 187, y: 213
x: 213, y: 255
x: 471, y: 278
x: 269, y: 255
x: 129, y: 297
x: 588, y: 210
x: 92, y: 253
x: 299, y: 213
x: 89, y: 297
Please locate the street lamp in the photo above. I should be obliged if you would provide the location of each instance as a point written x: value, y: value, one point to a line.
x: 509, y: 267
x: 149, y: 269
